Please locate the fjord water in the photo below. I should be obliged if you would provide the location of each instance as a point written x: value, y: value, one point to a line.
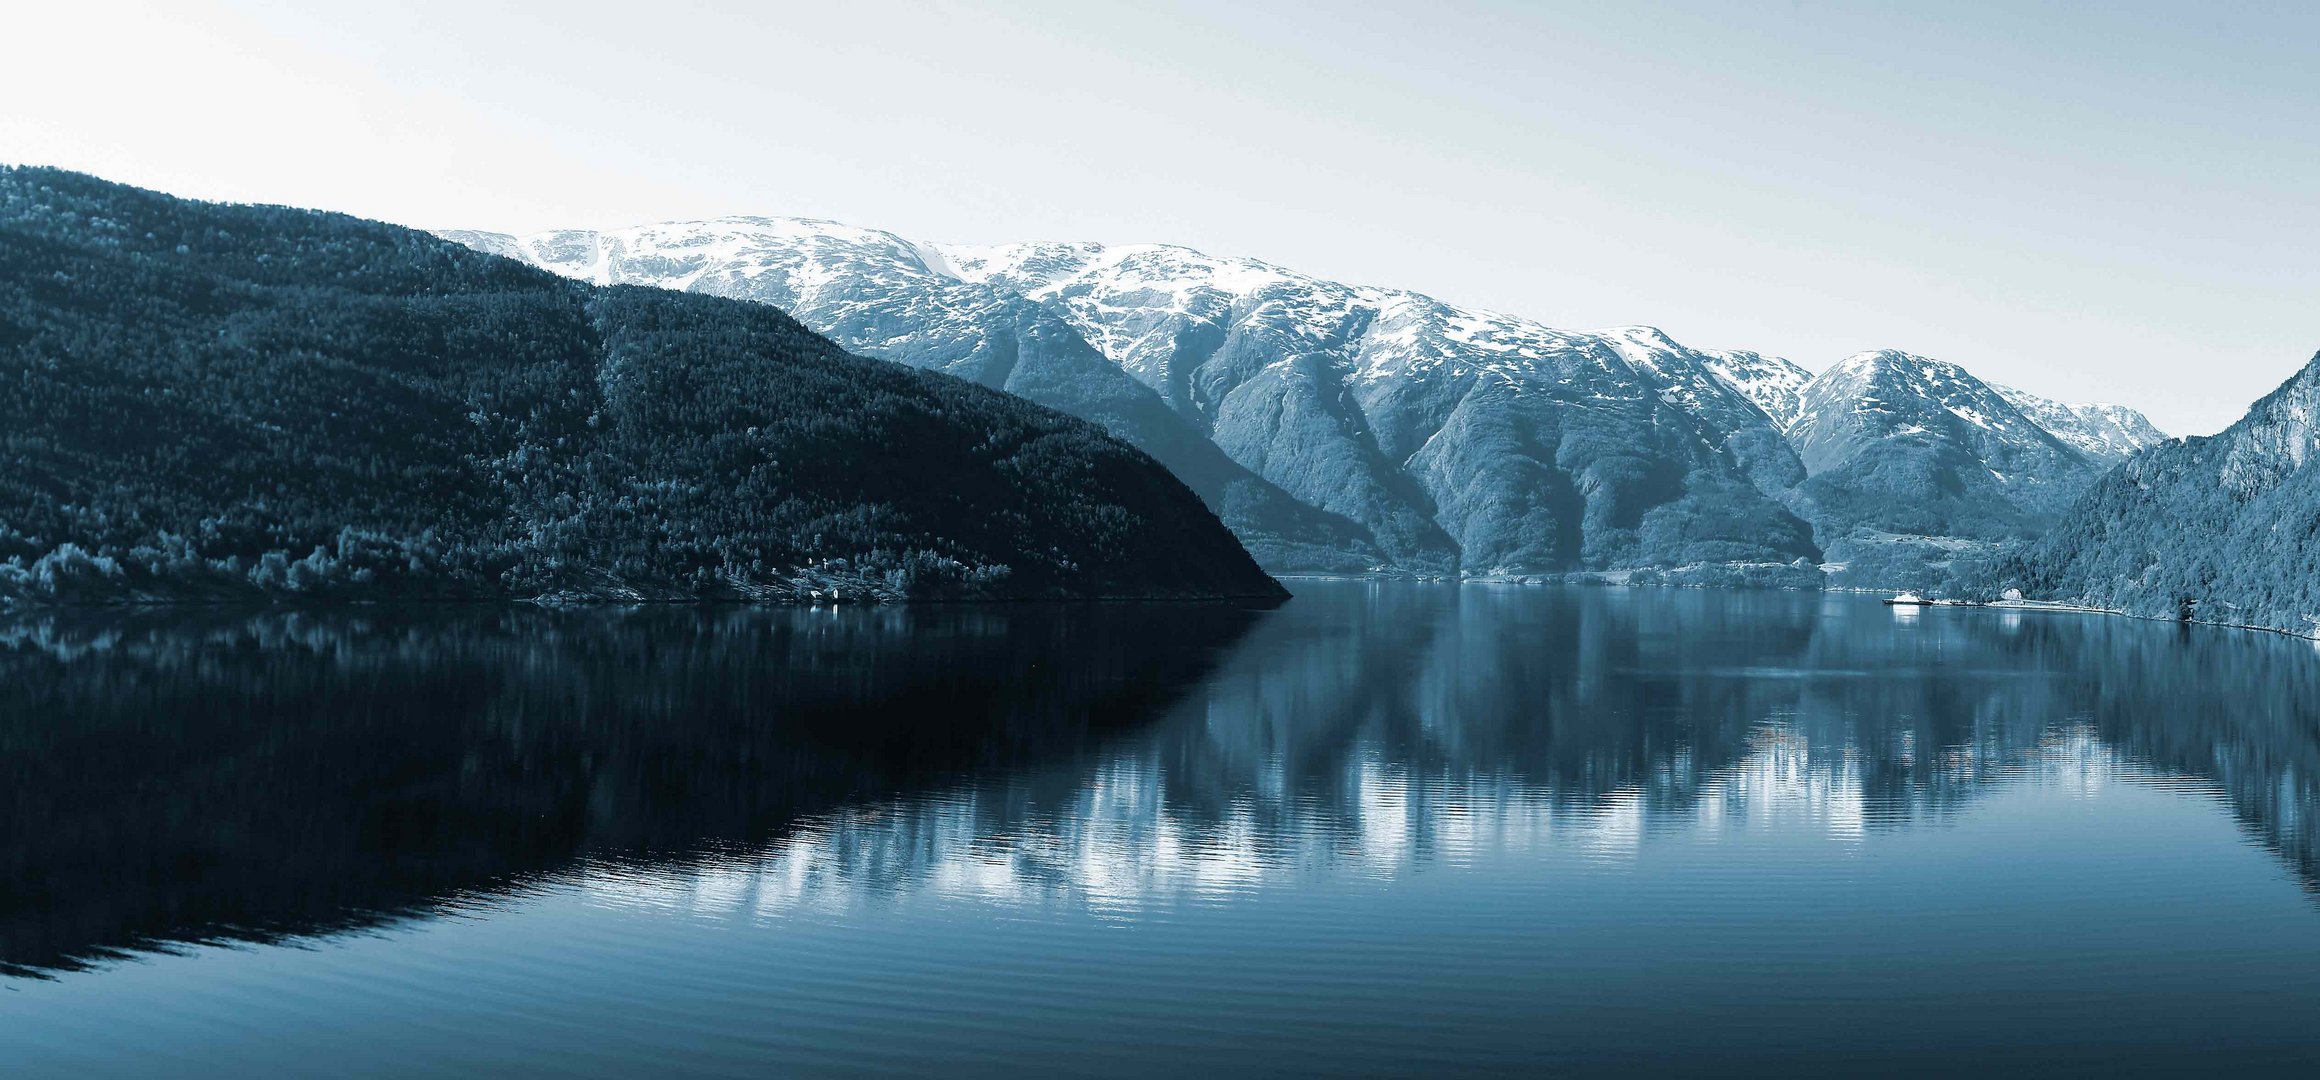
x: 1383, y: 828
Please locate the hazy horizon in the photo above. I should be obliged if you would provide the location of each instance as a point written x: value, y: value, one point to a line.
x: 2086, y: 204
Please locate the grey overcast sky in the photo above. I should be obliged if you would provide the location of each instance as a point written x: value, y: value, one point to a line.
x: 2094, y: 201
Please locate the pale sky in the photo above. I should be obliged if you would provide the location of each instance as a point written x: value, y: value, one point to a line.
x: 2112, y: 202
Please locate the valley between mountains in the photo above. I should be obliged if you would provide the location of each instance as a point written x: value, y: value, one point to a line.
x: 1342, y: 428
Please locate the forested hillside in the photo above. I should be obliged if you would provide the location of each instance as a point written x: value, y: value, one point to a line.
x: 210, y: 401
x: 2219, y: 529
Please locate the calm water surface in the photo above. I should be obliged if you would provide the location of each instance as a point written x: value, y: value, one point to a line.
x: 1380, y: 829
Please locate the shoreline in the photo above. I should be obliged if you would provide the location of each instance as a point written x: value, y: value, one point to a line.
x: 8, y: 609
x: 19, y: 609
x: 1599, y: 582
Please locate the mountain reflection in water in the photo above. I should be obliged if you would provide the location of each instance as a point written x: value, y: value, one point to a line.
x: 203, y: 776
x: 1412, y: 726
x: 185, y: 777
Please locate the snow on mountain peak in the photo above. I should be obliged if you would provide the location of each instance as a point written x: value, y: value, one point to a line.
x: 1646, y: 337
x: 1774, y: 384
x: 1135, y: 303
x: 2103, y: 432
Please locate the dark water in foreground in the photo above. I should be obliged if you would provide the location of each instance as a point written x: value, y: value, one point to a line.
x: 1382, y: 829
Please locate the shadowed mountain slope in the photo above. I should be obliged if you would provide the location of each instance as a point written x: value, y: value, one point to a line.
x: 216, y: 401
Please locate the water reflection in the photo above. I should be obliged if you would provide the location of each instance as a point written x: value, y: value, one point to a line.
x: 191, y: 777
x: 1401, y: 727
x: 240, y: 777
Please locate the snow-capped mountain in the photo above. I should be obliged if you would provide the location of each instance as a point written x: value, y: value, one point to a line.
x: 1913, y: 461
x: 1951, y: 455
x: 881, y: 296
x: 1873, y: 397
x: 2107, y: 434
x: 1333, y: 426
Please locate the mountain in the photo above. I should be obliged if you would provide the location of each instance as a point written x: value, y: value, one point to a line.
x: 880, y: 296
x: 1910, y: 444
x: 1446, y: 438
x: 1337, y: 427
x: 1914, y: 461
x: 2106, y: 434
x: 2224, y: 528
x: 210, y: 401
x: 1903, y: 465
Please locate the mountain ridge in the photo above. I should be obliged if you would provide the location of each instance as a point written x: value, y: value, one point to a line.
x: 1428, y: 436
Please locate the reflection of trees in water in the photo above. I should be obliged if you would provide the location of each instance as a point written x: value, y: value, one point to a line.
x: 2237, y: 708
x: 286, y: 773
x: 177, y: 776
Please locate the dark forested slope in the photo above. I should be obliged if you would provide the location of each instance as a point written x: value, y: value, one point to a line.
x: 200, y: 400
x: 2219, y: 529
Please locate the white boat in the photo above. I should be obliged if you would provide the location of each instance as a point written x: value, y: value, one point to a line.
x: 1906, y: 598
